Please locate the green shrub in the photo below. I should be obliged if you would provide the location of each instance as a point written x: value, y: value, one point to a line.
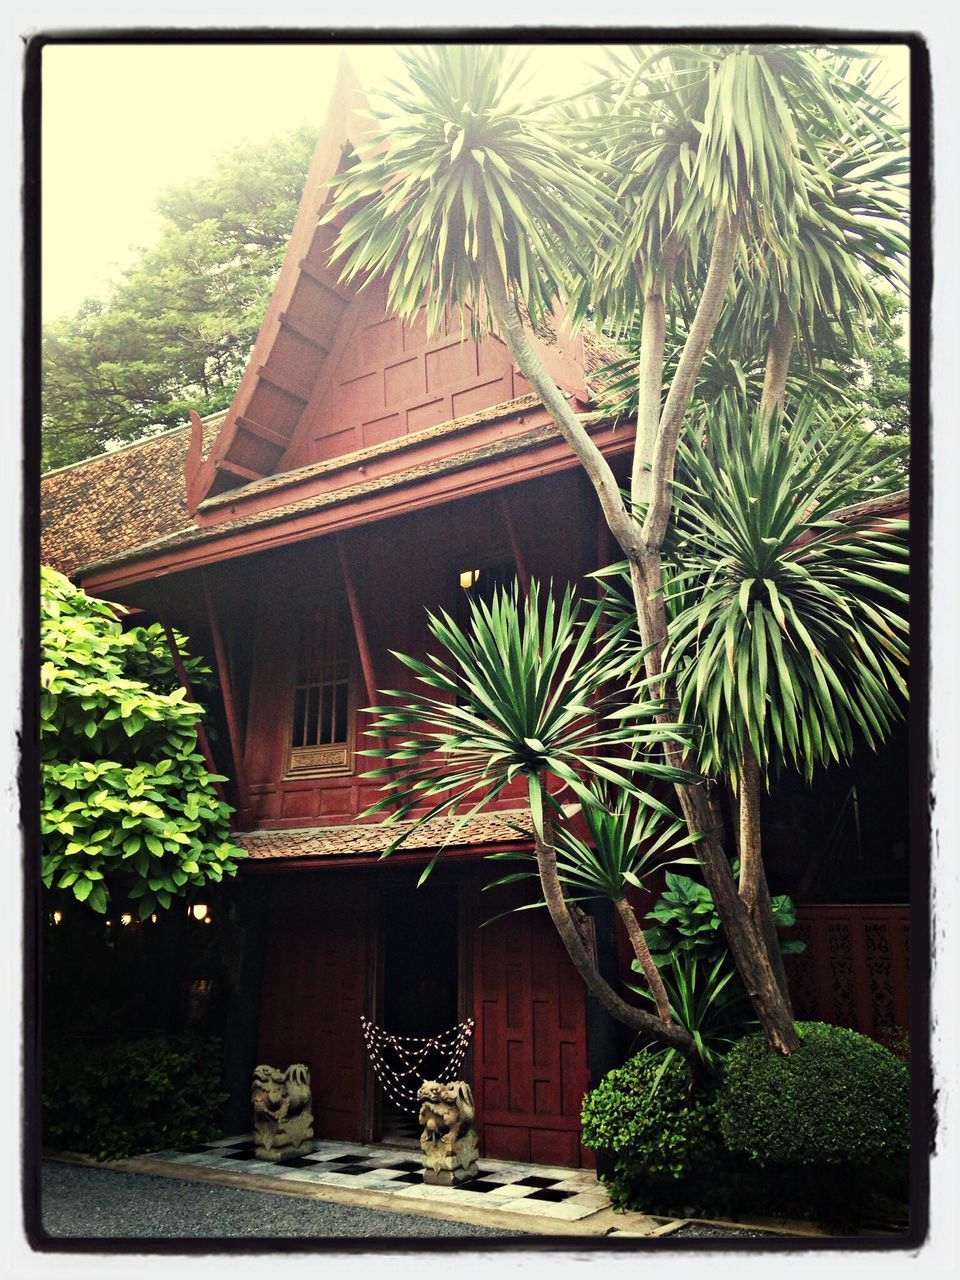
x: 666, y: 1145
x: 145, y: 1093
x: 840, y: 1098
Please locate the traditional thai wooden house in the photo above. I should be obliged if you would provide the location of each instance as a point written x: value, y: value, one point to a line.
x: 364, y: 472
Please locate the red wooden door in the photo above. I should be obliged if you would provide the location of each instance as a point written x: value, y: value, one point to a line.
x: 314, y: 991
x: 530, y: 1042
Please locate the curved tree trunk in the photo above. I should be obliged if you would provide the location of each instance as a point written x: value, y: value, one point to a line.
x: 645, y: 959
x: 637, y: 1019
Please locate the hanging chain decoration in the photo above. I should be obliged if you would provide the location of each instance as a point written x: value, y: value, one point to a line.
x: 409, y: 1053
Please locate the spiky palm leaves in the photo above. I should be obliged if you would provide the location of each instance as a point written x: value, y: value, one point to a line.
x: 462, y: 171
x: 530, y: 690
x: 790, y: 635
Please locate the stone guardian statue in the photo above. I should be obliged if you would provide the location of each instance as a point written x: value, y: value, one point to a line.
x: 282, y: 1112
x: 448, y: 1141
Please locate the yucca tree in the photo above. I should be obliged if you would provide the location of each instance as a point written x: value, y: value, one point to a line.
x: 465, y: 198
x: 788, y: 641
x: 530, y: 691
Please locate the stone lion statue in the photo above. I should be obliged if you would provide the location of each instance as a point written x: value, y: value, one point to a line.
x: 282, y: 1111
x: 448, y: 1141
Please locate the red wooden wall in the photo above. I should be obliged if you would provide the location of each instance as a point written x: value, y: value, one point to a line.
x: 384, y: 379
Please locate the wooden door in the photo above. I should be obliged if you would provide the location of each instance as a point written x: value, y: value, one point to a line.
x: 530, y: 1043
x: 314, y: 991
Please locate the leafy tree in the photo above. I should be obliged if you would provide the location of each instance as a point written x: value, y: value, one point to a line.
x: 176, y: 330
x: 769, y: 175
x: 128, y: 805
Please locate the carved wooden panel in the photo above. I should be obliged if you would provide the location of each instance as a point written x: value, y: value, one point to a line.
x: 855, y: 971
x: 530, y: 1044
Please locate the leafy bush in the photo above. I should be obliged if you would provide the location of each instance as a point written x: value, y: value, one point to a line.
x: 126, y: 794
x: 839, y: 1098
x: 140, y: 1094
x: 666, y: 1145
x: 687, y: 919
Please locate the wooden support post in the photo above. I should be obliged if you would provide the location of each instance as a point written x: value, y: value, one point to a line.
x: 359, y: 630
x: 229, y: 706
x: 202, y: 739
x: 518, y: 558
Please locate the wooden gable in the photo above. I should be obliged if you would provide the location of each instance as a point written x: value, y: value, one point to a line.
x: 331, y: 371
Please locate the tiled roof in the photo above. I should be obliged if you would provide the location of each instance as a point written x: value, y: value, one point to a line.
x: 345, y: 461
x: 192, y: 535
x: 116, y: 500
x: 372, y: 838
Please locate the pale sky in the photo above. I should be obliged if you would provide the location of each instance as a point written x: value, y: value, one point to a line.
x: 120, y: 123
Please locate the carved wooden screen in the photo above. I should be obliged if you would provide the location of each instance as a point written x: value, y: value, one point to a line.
x: 855, y: 971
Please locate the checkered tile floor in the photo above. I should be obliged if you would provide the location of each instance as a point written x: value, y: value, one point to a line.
x: 521, y: 1188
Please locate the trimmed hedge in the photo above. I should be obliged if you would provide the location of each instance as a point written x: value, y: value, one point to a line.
x: 144, y: 1093
x: 839, y: 1098
x: 666, y: 1145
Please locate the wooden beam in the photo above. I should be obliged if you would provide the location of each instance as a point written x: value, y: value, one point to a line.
x: 359, y: 630
x: 262, y: 432
x: 301, y: 330
x: 316, y: 275
x: 234, y: 469
x: 285, y: 384
x: 202, y: 740
x: 229, y: 705
x: 518, y: 557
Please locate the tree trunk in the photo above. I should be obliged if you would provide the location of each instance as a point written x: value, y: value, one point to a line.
x: 653, y: 331
x: 749, y: 828
x: 637, y: 1019
x: 753, y: 881
x: 645, y: 959
x: 777, y: 368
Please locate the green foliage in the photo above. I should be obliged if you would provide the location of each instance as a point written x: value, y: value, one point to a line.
x: 525, y: 692
x: 688, y: 923
x: 706, y: 998
x: 127, y: 800
x: 839, y: 1098
x: 688, y: 947
x: 787, y: 630
x: 628, y: 840
x: 176, y: 330
x: 463, y: 176
x: 665, y: 1143
x: 145, y: 1093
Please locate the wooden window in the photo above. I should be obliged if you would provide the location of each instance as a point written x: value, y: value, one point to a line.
x: 322, y: 721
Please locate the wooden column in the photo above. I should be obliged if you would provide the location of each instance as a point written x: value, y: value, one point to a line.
x: 523, y: 574
x: 359, y: 630
x: 229, y: 705
x: 202, y: 739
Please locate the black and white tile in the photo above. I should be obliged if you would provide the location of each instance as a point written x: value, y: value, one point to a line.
x: 506, y: 1185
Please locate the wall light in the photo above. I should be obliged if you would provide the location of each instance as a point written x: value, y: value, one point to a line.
x: 199, y: 910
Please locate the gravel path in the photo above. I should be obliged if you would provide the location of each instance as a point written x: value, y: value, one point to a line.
x: 103, y: 1203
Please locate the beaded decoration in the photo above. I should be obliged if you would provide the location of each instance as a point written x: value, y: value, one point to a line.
x: 411, y: 1052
